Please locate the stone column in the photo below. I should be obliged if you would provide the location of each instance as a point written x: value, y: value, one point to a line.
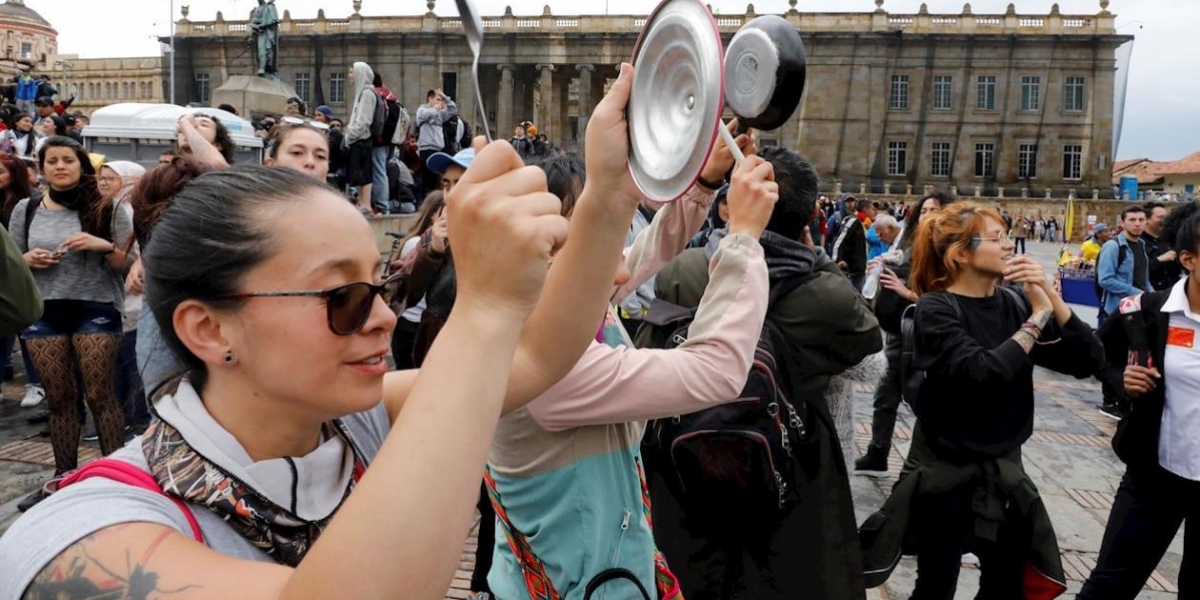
x: 504, y: 104
x: 585, y: 100
x: 546, y: 96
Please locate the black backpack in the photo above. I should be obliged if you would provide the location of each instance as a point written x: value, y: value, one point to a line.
x: 912, y: 378
x: 391, y: 121
x: 379, y: 119
x: 740, y: 457
x: 1122, y: 252
x: 450, y: 133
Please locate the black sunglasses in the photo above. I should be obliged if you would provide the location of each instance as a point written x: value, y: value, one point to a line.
x: 347, y: 307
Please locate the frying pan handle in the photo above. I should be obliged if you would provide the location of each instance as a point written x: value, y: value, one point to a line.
x: 731, y: 143
x: 741, y: 129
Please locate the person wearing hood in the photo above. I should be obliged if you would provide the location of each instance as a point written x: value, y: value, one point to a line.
x: 115, y: 181
x: 813, y: 550
x: 359, y: 166
x: 718, y: 219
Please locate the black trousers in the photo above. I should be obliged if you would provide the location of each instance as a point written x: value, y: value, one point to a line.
x: 1150, y: 506
x: 945, y: 523
x: 887, y: 398
x: 1020, y: 244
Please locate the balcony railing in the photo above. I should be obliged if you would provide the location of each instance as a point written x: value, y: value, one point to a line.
x: 920, y: 23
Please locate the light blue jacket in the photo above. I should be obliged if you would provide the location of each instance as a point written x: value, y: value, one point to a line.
x: 1117, y: 280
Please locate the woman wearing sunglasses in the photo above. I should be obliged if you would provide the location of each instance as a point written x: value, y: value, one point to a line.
x: 964, y: 488
x: 301, y: 145
x: 266, y: 283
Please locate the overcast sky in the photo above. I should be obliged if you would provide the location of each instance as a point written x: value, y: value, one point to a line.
x: 1162, y: 117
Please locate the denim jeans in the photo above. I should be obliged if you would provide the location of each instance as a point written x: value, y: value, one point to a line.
x: 379, y: 178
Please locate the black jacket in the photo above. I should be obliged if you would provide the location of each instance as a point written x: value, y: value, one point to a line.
x: 1163, y: 275
x: 813, y: 551
x: 1136, y: 442
x: 851, y: 246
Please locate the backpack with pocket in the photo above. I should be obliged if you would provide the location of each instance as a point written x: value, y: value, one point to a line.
x: 741, y: 457
x: 1122, y: 252
x: 450, y: 135
x: 403, y: 124
x: 911, y: 379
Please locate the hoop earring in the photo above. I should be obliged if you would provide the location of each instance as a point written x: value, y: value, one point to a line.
x: 228, y: 359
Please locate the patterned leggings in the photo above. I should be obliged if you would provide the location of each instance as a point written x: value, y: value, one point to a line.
x: 56, y: 358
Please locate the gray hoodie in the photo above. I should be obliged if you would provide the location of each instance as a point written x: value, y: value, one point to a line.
x: 359, y: 127
x: 429, y: 125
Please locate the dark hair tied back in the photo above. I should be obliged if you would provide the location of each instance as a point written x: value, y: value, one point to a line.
x: 210, y: 237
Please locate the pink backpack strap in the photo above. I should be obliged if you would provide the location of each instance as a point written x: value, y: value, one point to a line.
x: 123, y: 472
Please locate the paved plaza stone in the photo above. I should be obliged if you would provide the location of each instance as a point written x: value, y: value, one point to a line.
x: 1069, y: 458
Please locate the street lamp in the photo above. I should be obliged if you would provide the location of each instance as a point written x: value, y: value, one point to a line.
x: 66, y: 66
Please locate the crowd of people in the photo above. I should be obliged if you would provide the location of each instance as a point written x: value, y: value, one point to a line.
x: 639, y: 397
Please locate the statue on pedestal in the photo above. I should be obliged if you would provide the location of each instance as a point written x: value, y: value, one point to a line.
x: 264, y: 24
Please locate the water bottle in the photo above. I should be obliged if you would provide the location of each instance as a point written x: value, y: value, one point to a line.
x: 871, y: 286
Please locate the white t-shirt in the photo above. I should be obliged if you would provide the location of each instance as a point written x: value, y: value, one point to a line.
x: 1178, y: 442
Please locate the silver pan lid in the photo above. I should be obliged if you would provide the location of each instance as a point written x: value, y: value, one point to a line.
x: 677, y: 98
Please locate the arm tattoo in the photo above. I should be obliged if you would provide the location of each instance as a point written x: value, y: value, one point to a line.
x: 77, y: 575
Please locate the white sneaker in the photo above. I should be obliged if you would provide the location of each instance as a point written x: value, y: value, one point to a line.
x: 34, y: 394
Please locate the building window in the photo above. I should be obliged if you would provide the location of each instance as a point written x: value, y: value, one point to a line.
x: 1072, y: 161
x: 986, y: 98
x: 940, y: 162
x: 943, y: 92
x: 302, y: 86
x: 124, y: 90
x: 202, y: 89
x: 985, y: 160
x: 1031, y: 93
x: 897, y: 158
x: 1074, y: 94
x: 337, y: 87
x: 1027, y: 161
x: 899, y: 94
x: 108, y: 90
x: 26, y: 50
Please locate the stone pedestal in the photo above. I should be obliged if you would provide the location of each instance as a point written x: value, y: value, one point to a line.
x: 252, y: 95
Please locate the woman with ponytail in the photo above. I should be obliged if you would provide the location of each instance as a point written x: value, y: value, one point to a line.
x: 985, y: 317
x: 76, y: 243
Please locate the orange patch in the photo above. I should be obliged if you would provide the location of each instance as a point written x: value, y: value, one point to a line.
x: 1181, y: 337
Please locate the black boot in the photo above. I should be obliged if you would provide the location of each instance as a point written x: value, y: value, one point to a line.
x: 873, y: 462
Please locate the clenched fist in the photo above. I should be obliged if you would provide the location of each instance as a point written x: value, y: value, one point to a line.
x: 505, y: 226
x: 752, y: 197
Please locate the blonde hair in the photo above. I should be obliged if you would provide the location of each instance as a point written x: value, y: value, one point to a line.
x: 943, y: 237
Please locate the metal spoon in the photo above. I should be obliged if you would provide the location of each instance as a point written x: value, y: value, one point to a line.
x: 473, y: 27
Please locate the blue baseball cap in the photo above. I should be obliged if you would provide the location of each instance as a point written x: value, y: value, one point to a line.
x: 438, y: 163
x: 325, y: 110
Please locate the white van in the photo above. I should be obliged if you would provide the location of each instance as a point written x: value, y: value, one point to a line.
x: 141, y: 132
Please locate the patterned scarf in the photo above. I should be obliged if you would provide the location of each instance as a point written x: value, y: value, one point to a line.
x: 183, y: 473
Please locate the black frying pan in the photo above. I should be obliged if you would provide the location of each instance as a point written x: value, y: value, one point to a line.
x: 765, y: 70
